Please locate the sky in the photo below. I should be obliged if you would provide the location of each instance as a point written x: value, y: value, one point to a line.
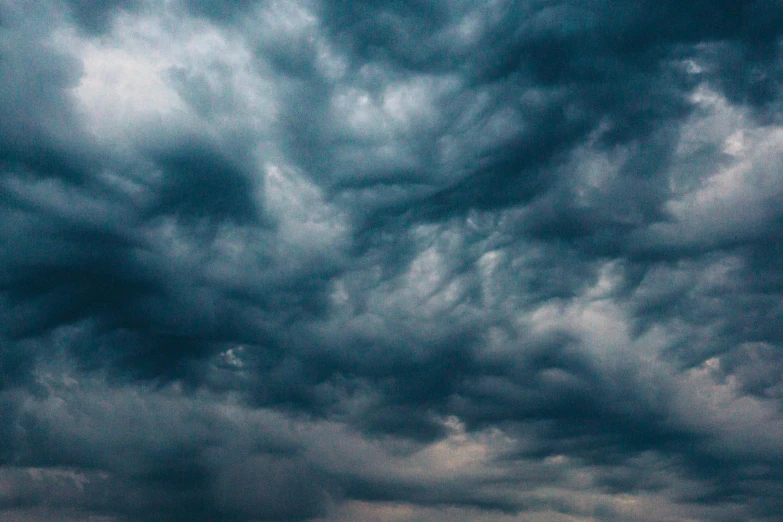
x: 386, y: 261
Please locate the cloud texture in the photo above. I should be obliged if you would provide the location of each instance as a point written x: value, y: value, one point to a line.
x: 385, y: 261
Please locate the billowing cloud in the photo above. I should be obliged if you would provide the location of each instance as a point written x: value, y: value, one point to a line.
x: 390, y: 261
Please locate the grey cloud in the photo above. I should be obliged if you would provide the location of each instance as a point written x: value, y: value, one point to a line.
x: 96, y: 17
x: 41, y: 132
x: 217, y: 10
x: 200, y: 182
x: 150, y: 457
x: 357, y: 226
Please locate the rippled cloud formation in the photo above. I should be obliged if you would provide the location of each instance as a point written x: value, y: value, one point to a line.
x: 386, y: 261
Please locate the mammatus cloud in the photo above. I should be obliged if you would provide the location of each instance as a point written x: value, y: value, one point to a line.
x: 390, y: 261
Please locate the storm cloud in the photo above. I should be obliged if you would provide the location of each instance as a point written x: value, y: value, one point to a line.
x: 377, y: 261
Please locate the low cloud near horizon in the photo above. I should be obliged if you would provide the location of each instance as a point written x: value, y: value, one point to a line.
x: 391, y: 261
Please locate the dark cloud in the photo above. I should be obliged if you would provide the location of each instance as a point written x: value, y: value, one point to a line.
x: 329, y: 261
x: 200, y: 182
x: 95, y: 17
x: 217, y: 10
x: 40, y: 131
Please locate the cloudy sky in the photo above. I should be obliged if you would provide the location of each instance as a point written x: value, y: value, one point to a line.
x: 381, y: 261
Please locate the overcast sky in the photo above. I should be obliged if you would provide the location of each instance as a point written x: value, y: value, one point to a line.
x: 423, y: 260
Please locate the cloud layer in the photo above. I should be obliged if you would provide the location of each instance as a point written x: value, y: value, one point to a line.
x: 389, y: 261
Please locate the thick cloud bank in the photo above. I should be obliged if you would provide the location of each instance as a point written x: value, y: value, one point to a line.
x: 386, y: 261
